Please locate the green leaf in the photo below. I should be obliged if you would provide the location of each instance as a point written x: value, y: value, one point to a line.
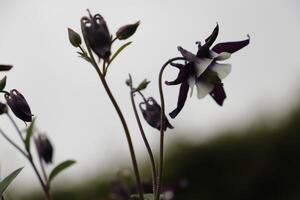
x: 7, y: 181
x: 2, y: 83
x: 84, y: 56
x: 119, y: 51
x: 29, y: 135
x: 59, y: 168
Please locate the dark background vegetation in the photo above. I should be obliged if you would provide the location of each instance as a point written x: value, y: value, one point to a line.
x: 261, y: 162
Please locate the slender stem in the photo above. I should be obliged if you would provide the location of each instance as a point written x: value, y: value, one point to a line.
x: 162, y: 122
x: 152, y: 161
x: 5, y: 92
x: 142, y: 95
x: 120, y: 114
x: 30, y: 159
x: 43, y: 170
x: 13, y: 143
x: 44, y: 186
x: 16, y: 126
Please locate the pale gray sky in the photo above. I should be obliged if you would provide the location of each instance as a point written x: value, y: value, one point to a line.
x: 65, y: 94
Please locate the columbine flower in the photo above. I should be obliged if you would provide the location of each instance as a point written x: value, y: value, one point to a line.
x: 151, y: 111
x: 95, y: 30
x: 19, y: 106
x: 44, y: 148
x: 204, y: 71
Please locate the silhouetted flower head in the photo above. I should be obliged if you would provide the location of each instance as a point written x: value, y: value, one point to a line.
x: 44, y: 148
x: 204, y: 71
x: 19, y: 106
x: 151, y: 111
x: 3, y: 108
x: 95, y: 30
x: 5, y: 67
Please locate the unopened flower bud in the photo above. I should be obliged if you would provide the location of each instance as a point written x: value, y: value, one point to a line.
x: 2, y: 83
x: 5, y: 67
x: 151, y: 113
x: 19, y: 105
x: 3, y: 108
x: 143, y: 85
x: 127, y: 31
x: 44, y: 148
x: 74, y: 38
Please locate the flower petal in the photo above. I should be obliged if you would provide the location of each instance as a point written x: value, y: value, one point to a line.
x: 5, y: 67
x: 203, y: 51
x: 191, y: 81
x: 203, y: 88
x: 222, y: 56
x: 201, y: 65
x: 218, y: 94
x: 221, y: 69
x: 187, y: 55
x: 184, y: 88
x: 230, y: 47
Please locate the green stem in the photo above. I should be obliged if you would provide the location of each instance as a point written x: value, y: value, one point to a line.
x: 162, y: 122
x: 121, y: 117
x: 16, y: 127
x: 151, y: 157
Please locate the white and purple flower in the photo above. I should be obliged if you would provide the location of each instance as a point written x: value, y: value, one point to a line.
x: 204, y: 71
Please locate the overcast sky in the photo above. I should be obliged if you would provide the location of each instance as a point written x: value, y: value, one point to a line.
x: 65, y: 94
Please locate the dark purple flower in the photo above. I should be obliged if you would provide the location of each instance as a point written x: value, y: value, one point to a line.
x: 95, y: 30
x: 5, y: 67
x: 44, y: 148
x: 3, y: 108
x: 204, y: 71
x: 151, y: 111
x: 19, y: 106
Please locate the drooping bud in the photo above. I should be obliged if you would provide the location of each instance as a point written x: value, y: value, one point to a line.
x: 5, y: 67
x: 19, y: 106
x: 2, y: 83
x: 151, y: 113
x: 44, y: 148
x: 3, y: 108
x: 127, y: 31
x: 74, y: 38
x: 95, y: 31
x: 143, y: 85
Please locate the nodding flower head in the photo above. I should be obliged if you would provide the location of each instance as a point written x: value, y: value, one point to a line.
x: 19, y: 106
x: 97, y: 36
x: 151, y: 111
x: 44, y: 148
x: 204, y: 71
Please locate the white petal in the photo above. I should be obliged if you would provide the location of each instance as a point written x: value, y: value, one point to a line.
x: 203, y: 89
x: 191, y: 82
x: 201, y: 65
x: 222, y: 69
x: 223, y: 56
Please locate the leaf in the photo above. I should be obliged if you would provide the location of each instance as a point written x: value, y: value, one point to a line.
x: 59, y: 168
x: 119, y: 51
x: 84, y: 56
x: 7, y: 181
x: 2, y: 83
x: 29, y: 135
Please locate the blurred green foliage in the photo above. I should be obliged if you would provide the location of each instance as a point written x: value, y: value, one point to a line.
x: 261, y: 163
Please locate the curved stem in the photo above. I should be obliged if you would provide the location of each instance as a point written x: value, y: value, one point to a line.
x: 121, y: 117
x: 162, y: 122
x: 152, y: 161
x: 13, y: 143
